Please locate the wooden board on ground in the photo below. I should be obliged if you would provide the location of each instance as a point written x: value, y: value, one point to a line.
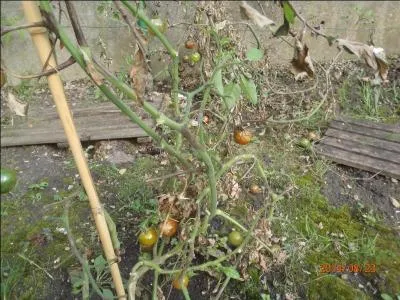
x: 97, y: 122
x: 364, y: 145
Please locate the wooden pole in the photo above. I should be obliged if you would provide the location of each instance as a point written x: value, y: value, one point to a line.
x: 43, y: 46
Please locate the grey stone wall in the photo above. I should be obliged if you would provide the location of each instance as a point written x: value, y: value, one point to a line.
x: 379, y: 20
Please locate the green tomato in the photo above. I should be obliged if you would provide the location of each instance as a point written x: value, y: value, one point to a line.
x: 8, y: 180
x: 304, y: 143
x: 148, y: 238
x: 235, y: 238
x: 159, y: 24
x: 195, y: 57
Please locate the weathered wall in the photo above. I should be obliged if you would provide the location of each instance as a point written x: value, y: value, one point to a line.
x: 380, y: 20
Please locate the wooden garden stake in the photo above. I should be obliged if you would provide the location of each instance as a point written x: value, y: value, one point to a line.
x: 43, y: 46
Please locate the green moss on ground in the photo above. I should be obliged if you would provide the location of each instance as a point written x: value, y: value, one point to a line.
x: 332, y: 287
x: 341, y: 237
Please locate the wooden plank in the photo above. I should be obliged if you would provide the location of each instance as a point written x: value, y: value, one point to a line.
x: 359, y: 161
x: 362, y: 139
x: 367, y: 131
x: 395, y: 128
x: 367, y: 150
x: 59, y: 136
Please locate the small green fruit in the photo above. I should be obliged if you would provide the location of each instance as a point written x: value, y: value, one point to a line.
x: 235, y: 238
x: 8, y: 180
x: 195, y: 57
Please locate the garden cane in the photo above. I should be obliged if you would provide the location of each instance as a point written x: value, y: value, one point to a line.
x: 43, y: 46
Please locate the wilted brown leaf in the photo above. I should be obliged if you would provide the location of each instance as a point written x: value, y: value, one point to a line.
x: 373, y: 57
x: 20, y: 109
x: 176, y: 206
x: 140, y: 75
x: 302, y: 65
x: 253, y: 15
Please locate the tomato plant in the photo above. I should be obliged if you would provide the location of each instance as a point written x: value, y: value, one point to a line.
x: 169, y: 227
x: 180, y: 281
x: 8, y: 180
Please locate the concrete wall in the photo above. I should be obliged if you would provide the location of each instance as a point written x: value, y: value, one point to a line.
x: 380, y: 20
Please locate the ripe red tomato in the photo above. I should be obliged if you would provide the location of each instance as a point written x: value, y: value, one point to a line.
x: 169, y: 227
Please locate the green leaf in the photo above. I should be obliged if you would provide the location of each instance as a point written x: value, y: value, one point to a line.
x: 254, y: 54
x: 249, y: 89
x: 107, y: 294
x: 218, y: 82
x: 231, y: 95
x: 99, y: 264
x: 386, y: 297
x: 230, y: 272
x: 283, y: 29
x: 288, y: 12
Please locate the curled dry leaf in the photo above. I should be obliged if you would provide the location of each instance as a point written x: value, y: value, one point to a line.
x: 140, y: 75
x: 373, y: 57
x: 302, y: 65
x: 253, y: 15
x: 395, y: 202
x: 20, y: 109
x: 176, y: 207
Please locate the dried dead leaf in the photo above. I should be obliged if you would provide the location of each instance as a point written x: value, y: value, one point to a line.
x: 140, y: 75
x: 302, y: 66
x: 373, y: 57
x: 220, y: 25
x: 20, y: 109
x: 395, y: 202
x: 235, y: 190
x: 253, y: 15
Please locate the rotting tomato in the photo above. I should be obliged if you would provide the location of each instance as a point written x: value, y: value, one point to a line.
x: 242, y: 137
x: 180, y: 281
x: 195, y: 57
x: 190, y: 44
x: 255, y: 189
x: 235, y: 238
x: 169, y: 227
x: 148, y: 238
x: 8, y: 180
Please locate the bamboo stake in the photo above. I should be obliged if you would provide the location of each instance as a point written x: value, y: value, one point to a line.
x: 43, y: 46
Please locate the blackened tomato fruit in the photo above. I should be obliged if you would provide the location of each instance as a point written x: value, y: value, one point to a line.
x: 190, y: 44
x: 180, y: 281
x: 8, y: 180
x: 195, y: 57
x: 148, y: 238
x: 242, y: 137
x: 235, y: 238
x: 169, y: 227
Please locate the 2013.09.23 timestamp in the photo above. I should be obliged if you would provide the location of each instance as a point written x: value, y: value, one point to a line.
x: 351, y: 268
